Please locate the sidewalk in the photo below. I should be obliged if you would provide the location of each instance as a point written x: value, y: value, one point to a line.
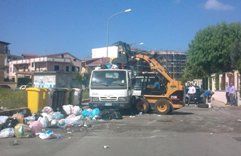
x: 216, y: 103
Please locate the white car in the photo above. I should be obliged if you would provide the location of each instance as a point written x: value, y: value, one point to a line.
x: 22, y: 87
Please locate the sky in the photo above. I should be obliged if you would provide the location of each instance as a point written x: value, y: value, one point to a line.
x: 76, y: 26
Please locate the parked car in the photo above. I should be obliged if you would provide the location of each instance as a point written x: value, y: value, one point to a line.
x: 23, y: 87
x: 197, y: 98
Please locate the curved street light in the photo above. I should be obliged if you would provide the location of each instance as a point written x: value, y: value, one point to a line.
x: 108, y: 23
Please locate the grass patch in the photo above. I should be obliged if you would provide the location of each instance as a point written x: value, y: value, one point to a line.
x: 17, y: 99
x: 13, y: 99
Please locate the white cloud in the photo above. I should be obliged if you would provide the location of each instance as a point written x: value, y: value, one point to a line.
x: 216, y: 5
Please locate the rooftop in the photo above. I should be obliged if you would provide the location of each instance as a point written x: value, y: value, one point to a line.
x: 1, y: 42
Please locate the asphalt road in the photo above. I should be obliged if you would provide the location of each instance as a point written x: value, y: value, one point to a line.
x: 187, y: 132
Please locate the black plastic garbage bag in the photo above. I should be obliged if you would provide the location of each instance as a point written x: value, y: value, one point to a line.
x: 25, y: 112
x: 109, y: 114
x: 36, y: 116
x: 10, y: 123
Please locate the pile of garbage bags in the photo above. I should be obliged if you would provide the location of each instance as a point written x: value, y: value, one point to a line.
x: 107, y: 66
x: 41, y: 124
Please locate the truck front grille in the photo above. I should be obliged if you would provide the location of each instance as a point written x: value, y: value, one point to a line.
x: 108, y: 99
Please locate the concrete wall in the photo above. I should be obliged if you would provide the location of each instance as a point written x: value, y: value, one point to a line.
x: 55, y: 80
x: 219, y: 94
x: 12, y: 85
x: 221, y: 97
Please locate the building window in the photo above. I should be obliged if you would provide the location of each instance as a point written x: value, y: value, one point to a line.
x: 32, y: 64
x: 67, y: 68
x: 56, y: 68
x: 77, y: 68
x: 73, y: 69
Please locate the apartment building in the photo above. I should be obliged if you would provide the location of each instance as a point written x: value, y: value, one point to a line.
x: 4, y: 52
x: 173, y: 61
x: 30, y: 64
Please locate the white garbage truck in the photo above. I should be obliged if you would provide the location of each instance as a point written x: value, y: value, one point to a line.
x: 110, y: 88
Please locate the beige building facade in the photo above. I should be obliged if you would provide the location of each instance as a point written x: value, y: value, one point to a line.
x: 28, y: 65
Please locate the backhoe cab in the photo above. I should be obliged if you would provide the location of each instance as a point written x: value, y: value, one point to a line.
x: 163, y: 100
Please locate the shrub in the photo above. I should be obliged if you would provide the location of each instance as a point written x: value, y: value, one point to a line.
x: 13, y: 99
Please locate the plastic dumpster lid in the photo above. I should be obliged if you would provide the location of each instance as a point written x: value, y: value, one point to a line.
x: 45, y: 89
x: 60, y: 89
x: 33, y: 89
x: 68, y: 89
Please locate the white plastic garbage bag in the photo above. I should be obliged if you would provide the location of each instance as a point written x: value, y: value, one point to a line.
x: 44, y: 121
x: 54, y: 123
x: 76, y: 110
x: 47, y: 110
x: 3, y: 119
x: 49, y: 134
x: 114, y: 66
x: 7, y: 132
x: 48, y: 116
x: 73, y: 120
x: 68, y: 109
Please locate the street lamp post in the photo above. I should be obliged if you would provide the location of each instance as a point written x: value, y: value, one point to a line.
x: 108, y: 23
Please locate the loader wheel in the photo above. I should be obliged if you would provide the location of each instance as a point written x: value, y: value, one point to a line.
x: 142, y: 106
x: 163, y: 106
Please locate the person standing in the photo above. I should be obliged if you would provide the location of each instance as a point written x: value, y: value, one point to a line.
x: 227, y: 94
x: 191, y: 92
x: 207, y: 95
x: 231, y: 94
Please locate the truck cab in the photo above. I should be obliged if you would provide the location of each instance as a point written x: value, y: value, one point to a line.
x: 110, y: 88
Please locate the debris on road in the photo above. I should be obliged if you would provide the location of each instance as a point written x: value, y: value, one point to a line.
x: 15, y: 142
x: 106, y: 146
x: 46, y: 124
x: 109, y: 114
x: 6, y: 133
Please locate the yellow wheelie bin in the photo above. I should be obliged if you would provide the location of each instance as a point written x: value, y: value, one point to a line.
x: 35, y: 99
x: 45, y: 96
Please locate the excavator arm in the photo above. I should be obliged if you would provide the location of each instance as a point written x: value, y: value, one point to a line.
x: 172, y: 85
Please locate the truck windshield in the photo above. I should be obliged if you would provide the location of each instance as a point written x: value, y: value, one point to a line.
x: 108, y: 79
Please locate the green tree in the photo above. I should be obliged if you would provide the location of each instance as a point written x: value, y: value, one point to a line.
x: 214, y: 49
x: 85, y: 79
x: 236, y: 57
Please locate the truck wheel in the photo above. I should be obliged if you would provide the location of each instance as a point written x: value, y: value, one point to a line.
x: 142, y: 105
x: 163, y: 106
